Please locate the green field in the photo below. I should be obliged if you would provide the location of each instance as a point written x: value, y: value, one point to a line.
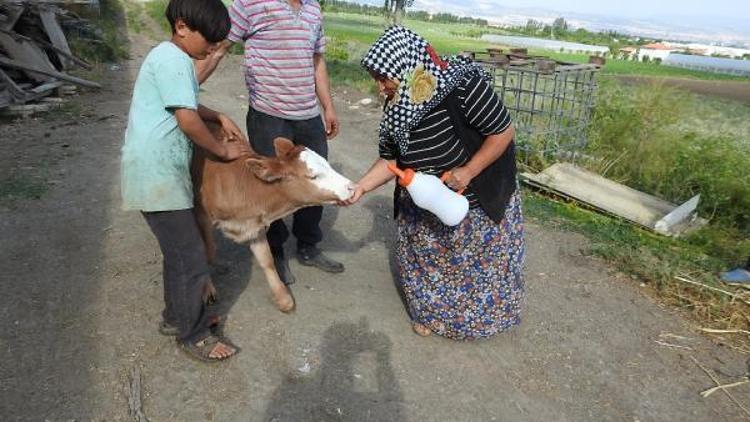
x: 452, y: 38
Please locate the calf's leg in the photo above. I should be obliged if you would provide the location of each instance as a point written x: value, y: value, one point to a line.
x: 207, y: 233
x: 282, y: 298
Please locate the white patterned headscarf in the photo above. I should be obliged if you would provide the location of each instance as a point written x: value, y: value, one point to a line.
x: 424, y: 78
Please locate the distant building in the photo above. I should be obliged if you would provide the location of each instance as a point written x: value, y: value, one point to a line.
x: 654, y: 51
x: 627, y: 53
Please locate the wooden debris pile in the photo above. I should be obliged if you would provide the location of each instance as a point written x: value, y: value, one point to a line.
x: 35, y: 55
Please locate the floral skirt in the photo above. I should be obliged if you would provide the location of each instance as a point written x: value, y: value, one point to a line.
x: 462, y: 282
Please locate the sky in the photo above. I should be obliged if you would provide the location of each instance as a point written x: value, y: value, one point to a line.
x: 708, y: 20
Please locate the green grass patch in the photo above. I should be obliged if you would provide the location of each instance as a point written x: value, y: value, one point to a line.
x: 155, y: 9
x: 651, y: 258
x: 648, y: 137
x: 109, y: 42
x: 19, y: 186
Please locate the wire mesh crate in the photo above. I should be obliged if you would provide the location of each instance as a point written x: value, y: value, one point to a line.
x: 550, y: 102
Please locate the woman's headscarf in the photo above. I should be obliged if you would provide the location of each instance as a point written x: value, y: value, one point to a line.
x: 425, y: 79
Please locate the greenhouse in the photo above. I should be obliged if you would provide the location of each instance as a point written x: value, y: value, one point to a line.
x: 709, y: 64
x: 544, y: 44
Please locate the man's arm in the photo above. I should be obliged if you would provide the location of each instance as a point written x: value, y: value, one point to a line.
x: 205, y: 68
x: 231, y: 129
x: 323, y: 91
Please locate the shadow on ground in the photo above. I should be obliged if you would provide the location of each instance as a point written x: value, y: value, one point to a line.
x: 355, y: 381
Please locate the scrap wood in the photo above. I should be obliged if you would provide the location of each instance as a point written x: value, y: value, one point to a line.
x: 66, y: 54
x: 715, y: 289
x: 724, y: 387
x: 718, y: 384
x: 29, y: 53
x: 612, y: 198
x: 48, y: 16
x: 14, y: 12
x: 673, y: 346
x: 55, y: 74
x: 12, y: 88
x: 134, y: 396
x: 713, y: 331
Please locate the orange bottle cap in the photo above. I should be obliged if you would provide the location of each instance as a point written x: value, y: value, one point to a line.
x: 406, y: 179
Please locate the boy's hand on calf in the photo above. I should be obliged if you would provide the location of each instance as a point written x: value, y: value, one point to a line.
x: 235, y: 150
x: 232, y: 131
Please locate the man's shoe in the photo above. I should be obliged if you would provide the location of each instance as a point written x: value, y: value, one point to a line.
x: 282, y: 267
x: 313, y: 257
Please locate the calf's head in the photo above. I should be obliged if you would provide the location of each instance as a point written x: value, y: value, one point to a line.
x: 304, y: 176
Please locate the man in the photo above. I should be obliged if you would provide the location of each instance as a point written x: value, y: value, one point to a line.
x: 286, y: 77
x: 738, y: 275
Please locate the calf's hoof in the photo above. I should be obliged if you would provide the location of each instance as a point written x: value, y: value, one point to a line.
x: 284, y: 301
x: 209, y: 293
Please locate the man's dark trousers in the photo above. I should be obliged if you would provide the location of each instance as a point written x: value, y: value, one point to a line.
x: 262, y: 129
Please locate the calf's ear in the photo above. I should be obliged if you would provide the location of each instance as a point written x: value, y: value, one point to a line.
x: 264, y: 169
x: 282, y: 146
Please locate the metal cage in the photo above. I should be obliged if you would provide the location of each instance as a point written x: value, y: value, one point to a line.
x: 550, y: 103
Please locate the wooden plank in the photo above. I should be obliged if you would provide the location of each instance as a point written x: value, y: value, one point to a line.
x: 56, y: 35
x: 6, y: 99
x: 12, y: 14
x: 14, y: 90
x: 55, y: 74
x: 84, y: 64
x: 671, y: 223
x: 28, y: 53
x: 603, y: 194
x: 25, y: 110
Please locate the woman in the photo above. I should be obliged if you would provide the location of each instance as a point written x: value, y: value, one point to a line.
x: 461, y: 282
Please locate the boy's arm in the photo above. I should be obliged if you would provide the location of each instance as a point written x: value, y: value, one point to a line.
x: 192, y: 125
x: 205, y: 68
x: 323, y: 90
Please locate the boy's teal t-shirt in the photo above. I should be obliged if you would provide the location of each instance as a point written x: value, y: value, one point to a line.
x: 155, y: 168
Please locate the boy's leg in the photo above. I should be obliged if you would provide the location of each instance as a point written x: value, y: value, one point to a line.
x: 306, y: 226
x: 186, y: 271
x: 262, y: 129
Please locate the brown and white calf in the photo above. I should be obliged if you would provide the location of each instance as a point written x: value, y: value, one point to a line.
x: 243, y: 197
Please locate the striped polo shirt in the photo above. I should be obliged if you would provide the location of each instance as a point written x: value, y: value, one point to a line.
x: 279, y: 46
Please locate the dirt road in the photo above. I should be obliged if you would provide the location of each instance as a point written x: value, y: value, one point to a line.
x: 82, y: 295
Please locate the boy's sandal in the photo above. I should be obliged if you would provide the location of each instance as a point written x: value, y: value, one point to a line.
x: 201, y: 350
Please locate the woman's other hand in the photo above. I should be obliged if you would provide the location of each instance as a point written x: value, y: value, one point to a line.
x: 459, y: 178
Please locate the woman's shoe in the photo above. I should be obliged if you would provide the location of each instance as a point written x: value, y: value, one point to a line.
x: 421, y: 330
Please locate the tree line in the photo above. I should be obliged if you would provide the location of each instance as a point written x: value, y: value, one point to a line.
x: 395, y: 10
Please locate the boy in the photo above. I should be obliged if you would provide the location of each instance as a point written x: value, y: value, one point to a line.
x: 164, y: 118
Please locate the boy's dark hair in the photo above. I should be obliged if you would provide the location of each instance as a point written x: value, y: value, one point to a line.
x: 209, y: 17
